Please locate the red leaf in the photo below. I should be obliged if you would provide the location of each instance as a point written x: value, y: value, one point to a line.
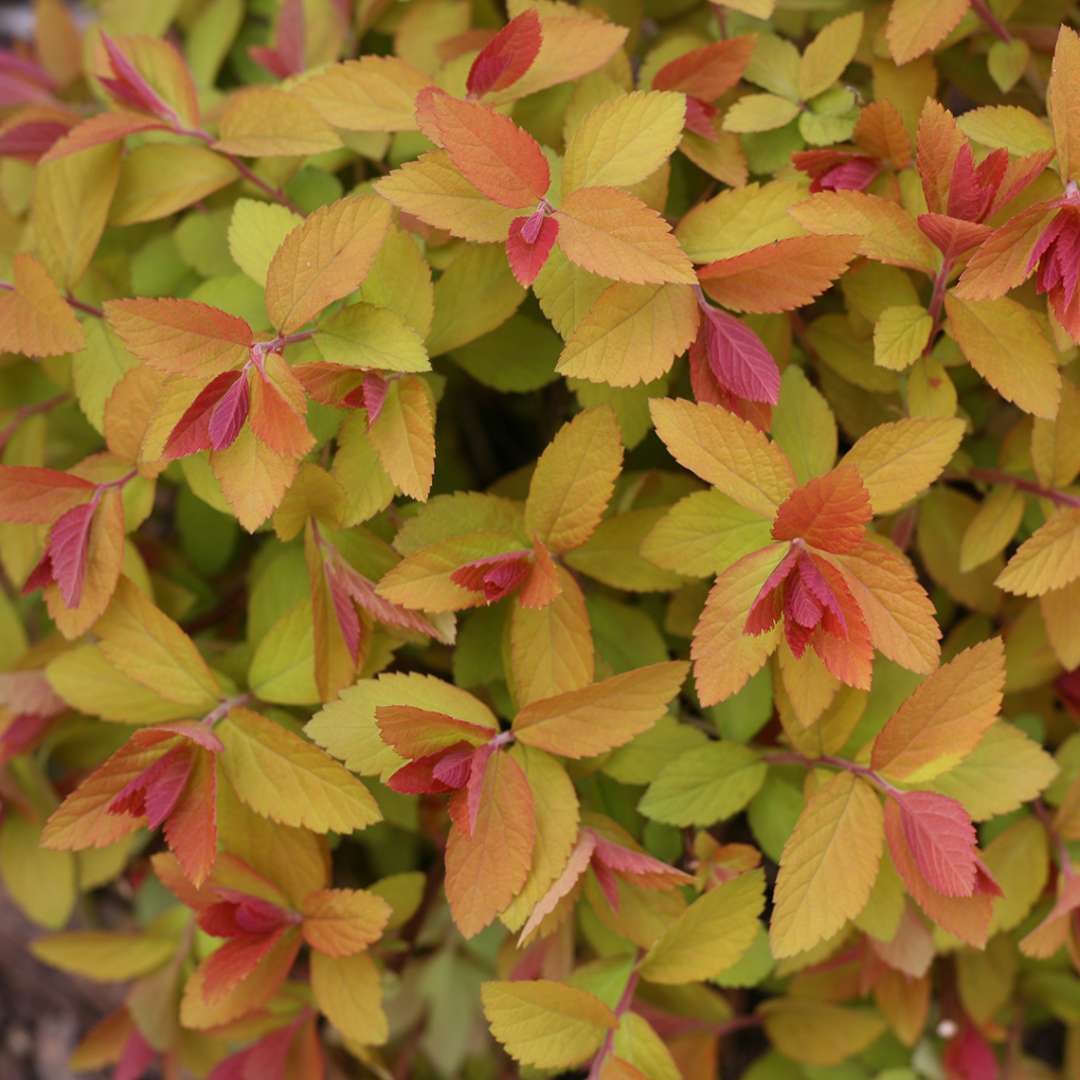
x: 235, y: 961
x: 228, y: 415
x: 454, y: 768
x: 129, y: 87
x: 738, y: 358
x: 69, y: 545
x: 495, y: 576
x: 829, y: 512
x: 951, y: 236
x: 488, y: 149
x: 527, y: 256
x: 507, y: 56
x: 31, y: 132
x: 707, y: 72
x: 969, y: 1056
x: 971, y: 189
x: 699, y: 118
x: 646, y: 871
x: 475, y: 786
x: 347, y: 619
x: 137, y: 1057
x: 286, y: 57
x: 941, y: 838
x: 155, y: 792
x: 192, y: 431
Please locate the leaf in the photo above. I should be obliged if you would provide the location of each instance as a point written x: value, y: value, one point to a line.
x: 819, y: 1032
x: 374, y: 93
x: 527, y: 257
x: 158, y: 179
x: 704, y: 785
x: 546, y: 1024
x: 371, y: 337
x: 486, y: 868
x: 898, y: 461
x: 711, y: 935
x: 759, y: 112
x: 147, y: 646
x: 780, y: 276
x: 105, y: 956
x: 724, y: 451
x: 574, y: 480
x: 1049, y: 559
x: 404, y: 436
x: 946, y: 717
x: 35, y: 320
x: 256, y: 231
x: 898, y: 613
x: 507, y: 56
x: 824, y: 59
x: 1004, y: 343
x: 597, y: 718
x: 253, y: 478
x: 709, y: 71
x: 1062, y: 106
x: 917, y: 26
x: 631, y: 334
x: 286, y: 779
x: 342, y: 922
x: 724, y: 655
x: 900, y: 336
x: 181, y: 337
x: 612, y: 233
x: 324, y: 259
x: 263, y: 121
x: 941, y: 839
x: 830, y: 512
x: 638, y: 1051
x: 828, y: 866
x: 29, y: 494
x: 488, y: 149
x: 348, y: 992
x: 622, y: 141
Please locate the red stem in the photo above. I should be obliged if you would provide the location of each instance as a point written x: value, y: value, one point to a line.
x: 993, y: 23
x: 24, y: 412
x: 624, y: 1004
x: 790, y: 757
x: 997, y: 476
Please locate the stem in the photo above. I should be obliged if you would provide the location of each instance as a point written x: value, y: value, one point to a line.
x: 1057, y: 841
x: 737, y: 1023
x: 24, y: 412
x: 997, y: 476
x: 937, y: 302
x: 624, y: 1004
x: 222, y: 710
x: 993, y: 23
x: 78, y: 305
x: 790, y: 757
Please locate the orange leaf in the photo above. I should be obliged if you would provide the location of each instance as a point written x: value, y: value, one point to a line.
x: 35, y: 320
x: 278, y: 407
x: 1063, y: 104
x: 191, y: 829
x: 39, y: 495
x: 486, y: 868
x: 829, y: 512
x: 253, y: 478
x: 489, y: 149
x: 181, y: 337
x: 342, y: 922
x: 1002, y: 262
x: 614, y: 234
x: 414, y: 732
x: 780, y: 276
x: 709, y: 71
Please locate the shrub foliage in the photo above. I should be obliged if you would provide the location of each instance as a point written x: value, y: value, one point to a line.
x: 545, y: 538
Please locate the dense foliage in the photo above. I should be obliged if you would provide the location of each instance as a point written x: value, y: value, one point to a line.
x: 545, y: 538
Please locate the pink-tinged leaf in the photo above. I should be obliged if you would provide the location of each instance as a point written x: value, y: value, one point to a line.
x: 29, y: 692
x: 971, y: 189
x: 24, y: 68
x: 738, y: 357
x: 836, y: 170
x: 228, y: 415
x: 238, y: 914
x: 192, y: 730
x: 363, y: 593
x: 21, y: 733
x: 453, y: 770
x: 192, y: 431
x: 69, y: 545
x: 137, y: 1056
x: 968, y: 1056
x: 608, y: 882
x: 235, y: 961
x: 154, y: 793
x: 507, y: 56
x: 941, y: 838
x: 23, y: 82
x: 345, y: 610
x: 106, y: 127
x: 646, y: 871
x: 707, y: 72
x: 576, y: 865
x: 768, y: 604
x: 286, y: 57
x: 951, y: 236
x: 33, y: 131
x: 707, y: 389
x: 829, y: 512
x: 985, y: 884
x: 129, y: 87
x: 418, y: 777
x: 475, y: 786
x: 527, y: 256
x: 415, y: 732
x: 29, y: 494
x: 267, y: 1059
x: 699, y: 118
x: 495, y: 576
x: 373, y: 391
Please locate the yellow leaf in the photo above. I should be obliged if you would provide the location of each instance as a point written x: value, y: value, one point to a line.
x: 886, y: 231
x: 900, y: 460
x: 348, y: 992
x: 286, y: 779
x: 624, y: 140
x: 256, y: 231
x: 1004, y: 342
x: 994, y: 526
x: 946, y: 717
x: 41, y: 882
x: 597, y: 718
x: 711, y: 935
x: 253, y: 478
x: 158, y: 179
x: 1048, y: 559
x: 900, y: 335
x: 374, y: 93
x: 632, y: 334
x: 1019, y: 860
x: 282, y: 668
x: 431, y: 189
x: 574, y: 479
x: 614, y: 234
x: 1007, y: 126
x: 143, y: 643
x: 35, y: 320
x: 1061, y: 616
x: 724, y: 451
x: 361, y: 335
x: 819, y: 1032
x: 324, y: 259
x: 917, y: 26
x: 803, y: 426
x: 485, y: 869
x: 638, y: 1051
x: 342, y: 922
x: 551, y: 648
x: 828, y: 866
x: 404, y: 436
x: 824, y: 59
x: 546, y: 1024
x: 724, y: 656
x: 71, y: 203
x: 1055, y: 444
x: 613, y: 554
x: 264, y: 121
x: 103, y: 955
x: 759, y: 112
x: 1062, y: 103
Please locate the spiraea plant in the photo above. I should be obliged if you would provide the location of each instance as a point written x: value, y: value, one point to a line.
x: 544, y: 538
